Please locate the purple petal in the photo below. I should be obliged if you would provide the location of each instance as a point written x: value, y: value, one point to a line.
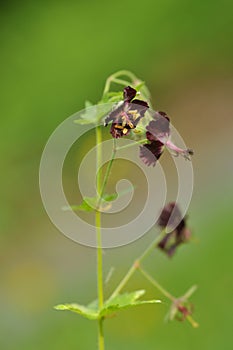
x: 151, y: 152
x: 159, y: 128
x: 141, y: 102
x: 171, y: 210
x: 165, y: 214
x: 129, y: 93
x: 114, y: 115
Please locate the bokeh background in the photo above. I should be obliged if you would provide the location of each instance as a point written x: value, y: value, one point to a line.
x: 54, y: 56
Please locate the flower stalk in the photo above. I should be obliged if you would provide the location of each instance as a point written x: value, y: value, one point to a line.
x: 177, y: 303
x: 135, y: 265
x: 114, y: 79
x: 99, y: 240
x: 124, y: 120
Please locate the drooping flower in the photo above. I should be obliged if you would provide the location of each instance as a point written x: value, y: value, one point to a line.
x: 158, y: 130
x: 158, y: 135
x: 127, y: 115
x: 171, y: 216
x: 151, y: 152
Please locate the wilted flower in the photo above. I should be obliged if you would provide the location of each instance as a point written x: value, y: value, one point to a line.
x: 183, y: 311
x: 180, y: 234
x: 158, y: 134
x: 182, y: 308
x: 127, y: 115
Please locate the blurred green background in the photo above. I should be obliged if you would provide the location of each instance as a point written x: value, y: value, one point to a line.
x: 54, y: 56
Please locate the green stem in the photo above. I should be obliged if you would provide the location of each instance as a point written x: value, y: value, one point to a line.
x: 124, y: 281
x: 99, y: 239
x: 120, y: 81
x: 101, y: 334
x: 113, y: 77
x: 136, y: 265
x: 107, y: 173
x: 156, y: 284
x: 127, y: 73
x: 131, y: 144
x: 99, y: 259
x: 192, y: 321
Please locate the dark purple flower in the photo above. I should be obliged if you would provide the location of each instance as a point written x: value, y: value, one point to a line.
x: 127, y: 115
x: 150, y: 152
x: 158, y: 130
x: 171, y: 216
x: 159, y: 127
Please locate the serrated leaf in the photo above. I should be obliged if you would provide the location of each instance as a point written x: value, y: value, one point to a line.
x: 85, y: 311
x: 126, y: 297
x: 123, y: 301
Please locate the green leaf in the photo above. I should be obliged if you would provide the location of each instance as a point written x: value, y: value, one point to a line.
x: 110, y: 197
x: 89, y: 204
x: 120, y: 302
x: 88, y: 104
x: 123, y: 301
x: 86, y: 311
x: 112, y: 96
x: 89, y: 116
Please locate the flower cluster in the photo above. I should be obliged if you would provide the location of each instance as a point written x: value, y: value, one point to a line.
x: 127, y: 116
x: 171, y: 216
